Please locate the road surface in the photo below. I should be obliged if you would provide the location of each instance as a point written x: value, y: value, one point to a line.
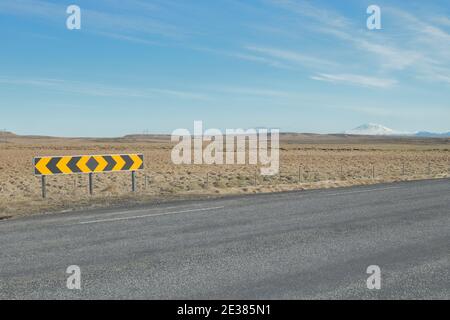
x: 299, y: 245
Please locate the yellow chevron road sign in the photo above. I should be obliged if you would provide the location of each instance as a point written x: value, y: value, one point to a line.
x: 44, y: 166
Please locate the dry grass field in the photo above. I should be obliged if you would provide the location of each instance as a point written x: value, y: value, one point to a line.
x: 306, y: 162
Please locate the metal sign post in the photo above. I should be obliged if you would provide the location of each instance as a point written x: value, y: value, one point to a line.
x: 91, y: 183
x: 46, y: 166
x: 44, y: 194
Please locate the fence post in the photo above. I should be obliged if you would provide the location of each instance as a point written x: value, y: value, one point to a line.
x: 299, y: 174
x: 44, y: 193
x: 91, y: 183
x: 403, y: 169
x: 207, y: 180
x: 373, y: 171
x: 256, y: 177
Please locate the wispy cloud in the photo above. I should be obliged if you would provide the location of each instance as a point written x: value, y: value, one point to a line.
x: 386, y: 54
x: 435, y: 73
x: 246, y: 57
x: 306, y: 9
x: 442, y: 20
x: 431, y: 41
x: 260, y: 92
x: 202, y: 93
x: 389, y: 56
x: 417, y: 44
x: 34, y: 8
x: 354, y: 79
x: 425, y: 51
x: 128, y: 26
x: 370, y: 111
x: 123, y: 37
x: 99, y: 90
x: 291, y: 56
x: 331, y: 23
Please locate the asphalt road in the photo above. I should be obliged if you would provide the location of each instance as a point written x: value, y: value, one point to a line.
x: 297, y: 245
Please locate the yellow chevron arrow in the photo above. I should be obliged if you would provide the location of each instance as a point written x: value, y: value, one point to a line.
x: 102, y: 163
x: 137, y: 162
x: 42, y: 166
x: 62, y: 165
x: 82, y: 164
x: 120, y: 163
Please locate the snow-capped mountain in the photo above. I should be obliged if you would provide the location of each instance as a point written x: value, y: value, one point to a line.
x: 372, y: 129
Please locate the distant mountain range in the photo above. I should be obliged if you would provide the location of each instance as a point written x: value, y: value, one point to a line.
x: 369, y: 129
x: 6, y: 133
x: 372, y: 129
x: 432, y: 134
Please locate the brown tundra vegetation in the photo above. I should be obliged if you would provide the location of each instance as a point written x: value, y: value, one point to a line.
x: 307, y: 161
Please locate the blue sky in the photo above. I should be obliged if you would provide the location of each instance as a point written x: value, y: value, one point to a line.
x: 307, y: 66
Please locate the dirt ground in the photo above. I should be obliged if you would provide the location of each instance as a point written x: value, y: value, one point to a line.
x: 306, y: 162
